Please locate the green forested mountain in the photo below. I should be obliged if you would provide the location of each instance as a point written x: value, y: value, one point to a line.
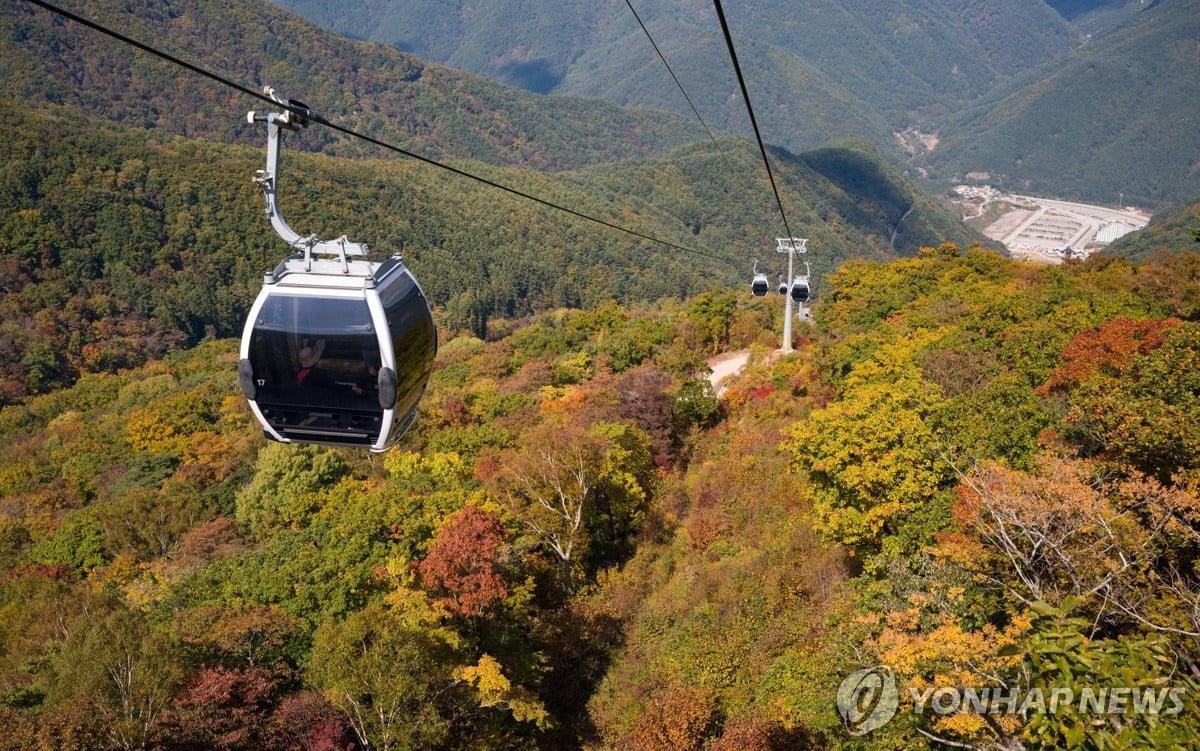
x: 116, y: 244
x: 817, y: 71
x: 367, y: 87
x: 1115, y: 116
x: 1080, y: 99
x: 1112, y: 114
x: 1169, y: 231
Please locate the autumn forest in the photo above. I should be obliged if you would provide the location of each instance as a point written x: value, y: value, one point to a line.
x: 972, y: 469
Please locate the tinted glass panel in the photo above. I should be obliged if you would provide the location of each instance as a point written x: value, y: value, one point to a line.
x: 314, y: 315
x: 310, y: 359
x: 414, y: 339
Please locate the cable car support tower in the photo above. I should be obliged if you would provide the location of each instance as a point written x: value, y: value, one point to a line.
x: 797, y: 285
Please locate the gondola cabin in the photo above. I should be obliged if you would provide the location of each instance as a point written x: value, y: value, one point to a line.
x: 760, y: 286
x: 337, y: 349
x: 337, y: 358
x: 800, y: 290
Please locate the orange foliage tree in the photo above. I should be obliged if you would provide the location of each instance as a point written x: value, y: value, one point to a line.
x: 463, y: 569
x: 1116, y: 546
x: 1149, y: 417
x: 680, y: 719
x: 1107, y: 350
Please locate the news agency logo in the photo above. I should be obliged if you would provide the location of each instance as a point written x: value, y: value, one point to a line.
x: 868, y: 699
x: 1087, y: 700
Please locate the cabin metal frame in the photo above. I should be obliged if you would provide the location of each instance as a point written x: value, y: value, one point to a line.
x: 760, y: 284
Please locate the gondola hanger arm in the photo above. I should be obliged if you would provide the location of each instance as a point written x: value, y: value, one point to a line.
x: 294, y: 116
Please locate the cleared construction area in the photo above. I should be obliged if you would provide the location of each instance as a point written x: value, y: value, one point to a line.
x: 1054, y: 230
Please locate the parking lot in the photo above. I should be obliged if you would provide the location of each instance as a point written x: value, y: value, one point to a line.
x: 1060, y: 229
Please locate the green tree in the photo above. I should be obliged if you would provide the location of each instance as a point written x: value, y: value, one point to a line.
x: 710, y: 316
x: 1123, y: 674
x: 119, y: 665
x: 695, y: 404
x: 622, y: 489
x: 389, y: 668
x: 286, y: 477
x: 78, y: 543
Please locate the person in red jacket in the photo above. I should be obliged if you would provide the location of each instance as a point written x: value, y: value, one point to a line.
x: 310, y: 374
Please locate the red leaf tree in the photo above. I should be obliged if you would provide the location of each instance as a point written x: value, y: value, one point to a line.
x: 463, y: 570
x: 222, y: 709
x: 1107, y: 350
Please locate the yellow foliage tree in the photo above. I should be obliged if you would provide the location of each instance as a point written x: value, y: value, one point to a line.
x: 495, y: 690
x: 870, y: 454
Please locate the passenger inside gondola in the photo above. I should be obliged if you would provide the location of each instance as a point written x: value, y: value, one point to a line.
x: 311, y: 374
x: 369, y: 381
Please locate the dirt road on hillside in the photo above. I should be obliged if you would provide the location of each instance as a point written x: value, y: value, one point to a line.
x: 724, y: 366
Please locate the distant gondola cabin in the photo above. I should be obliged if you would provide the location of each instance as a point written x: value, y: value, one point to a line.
x: 800, y: 290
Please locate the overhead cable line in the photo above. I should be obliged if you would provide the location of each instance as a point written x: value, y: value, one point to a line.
x: 307, y: 113
x: 750, y: 109
x: 683, y: 91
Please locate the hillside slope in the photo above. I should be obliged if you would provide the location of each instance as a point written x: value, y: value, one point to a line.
x: 117, y: 243
x: 367, y: 87
x: 1117, y: 116
x: 951, y: 415
x: 817, y: 71
x: 1170, y: 231
x: 925, y: 485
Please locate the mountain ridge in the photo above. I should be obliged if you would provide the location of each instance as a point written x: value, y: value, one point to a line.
x: 918, y: 53
x: 1021, y: 89
x: 371, y: 88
